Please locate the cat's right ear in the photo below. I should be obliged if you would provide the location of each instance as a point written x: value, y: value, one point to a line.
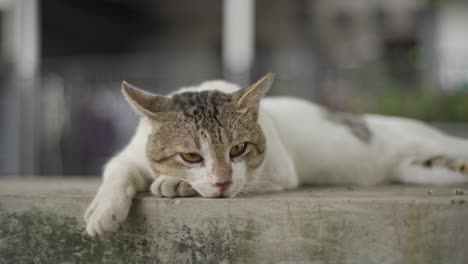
x: 151, y: 105
x: 248, y: 99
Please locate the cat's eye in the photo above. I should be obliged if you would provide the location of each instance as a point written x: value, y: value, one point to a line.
x: 238, y: 150
x: 191, y: 157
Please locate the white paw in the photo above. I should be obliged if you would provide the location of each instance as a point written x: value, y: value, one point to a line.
x: 165, y: 186
x: 109, y: 208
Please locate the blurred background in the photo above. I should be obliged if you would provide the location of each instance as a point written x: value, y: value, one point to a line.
x: 62, y: 62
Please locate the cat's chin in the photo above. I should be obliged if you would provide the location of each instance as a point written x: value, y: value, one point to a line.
x: 230, y: 193
x: 221, y: 195
x: 209, y: 193
x: 218, y: 194
x: 207, y: 190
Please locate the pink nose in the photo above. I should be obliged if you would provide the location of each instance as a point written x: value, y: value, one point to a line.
x: 222, y: 186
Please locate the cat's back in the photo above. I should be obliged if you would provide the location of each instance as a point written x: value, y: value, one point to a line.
x: 315, y: 143
x: 290, y: 111
x: 296, y: 120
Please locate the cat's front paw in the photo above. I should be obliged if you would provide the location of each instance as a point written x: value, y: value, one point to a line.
x: 109, y: 208
x: 165, y: 186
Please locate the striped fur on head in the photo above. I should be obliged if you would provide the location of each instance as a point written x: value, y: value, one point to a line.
x: 209, y: 124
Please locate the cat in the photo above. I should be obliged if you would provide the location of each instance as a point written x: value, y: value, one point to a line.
x: 217, y: 140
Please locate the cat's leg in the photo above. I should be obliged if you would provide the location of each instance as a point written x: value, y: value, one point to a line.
x: 124, y: 175
x: 437, y: 169
x: 444, y: 163
x: 166, y: 186
x: 112, y: 203
x: 422, y: 154
x: 453, y: 164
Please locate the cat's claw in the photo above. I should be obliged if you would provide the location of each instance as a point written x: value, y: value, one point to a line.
x: 109, y: 208
x: 165, y: 186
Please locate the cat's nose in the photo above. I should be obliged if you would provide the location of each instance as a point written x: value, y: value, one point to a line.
x: 222, y: 186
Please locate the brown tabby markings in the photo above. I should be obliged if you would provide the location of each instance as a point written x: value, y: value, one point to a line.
x: 452, y: 164
x: 356, y: 124
x: 207, y: 115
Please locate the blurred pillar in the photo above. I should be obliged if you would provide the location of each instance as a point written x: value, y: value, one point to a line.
x: 238, y: 40
x: 26, y: 67
x: 451, y: 47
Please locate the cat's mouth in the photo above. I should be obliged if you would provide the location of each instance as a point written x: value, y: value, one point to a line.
x: 209, y: 190
x: 228, y: 193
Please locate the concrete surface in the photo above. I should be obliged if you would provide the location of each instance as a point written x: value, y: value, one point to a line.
x: 41, y: 222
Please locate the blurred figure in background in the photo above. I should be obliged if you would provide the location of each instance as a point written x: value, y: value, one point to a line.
x: 62, y: 63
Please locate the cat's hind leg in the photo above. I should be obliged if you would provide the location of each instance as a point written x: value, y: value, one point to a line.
x: 449, y: 163
x: 436, y: 169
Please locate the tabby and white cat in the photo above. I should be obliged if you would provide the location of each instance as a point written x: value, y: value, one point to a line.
x: 217, y: 140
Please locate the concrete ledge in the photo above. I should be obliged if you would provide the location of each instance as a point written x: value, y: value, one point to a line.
x: 41, y: 222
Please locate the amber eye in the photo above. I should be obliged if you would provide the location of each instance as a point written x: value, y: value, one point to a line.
x: 191, y: 157
x: 238, y: 150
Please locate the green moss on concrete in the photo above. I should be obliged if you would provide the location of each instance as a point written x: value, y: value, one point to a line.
x: 217, y: 244
x: 38, y: 237
x: 391, y: 224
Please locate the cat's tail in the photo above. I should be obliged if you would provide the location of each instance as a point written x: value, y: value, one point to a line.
x: 445, y: 167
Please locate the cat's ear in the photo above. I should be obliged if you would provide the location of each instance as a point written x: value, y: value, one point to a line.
x: 152, y: 105
x: 248, y: 99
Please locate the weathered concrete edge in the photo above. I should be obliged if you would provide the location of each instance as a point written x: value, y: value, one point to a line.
x: 257, y: 230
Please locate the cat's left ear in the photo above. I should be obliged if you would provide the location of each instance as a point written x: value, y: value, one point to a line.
x: 151, y: 105
x: 248, y: 99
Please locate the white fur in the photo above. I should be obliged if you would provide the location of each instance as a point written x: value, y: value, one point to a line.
x: 327, y: 153
x: 302, y: 148
x: 203, y: 179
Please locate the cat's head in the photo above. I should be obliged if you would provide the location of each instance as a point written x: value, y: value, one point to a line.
x: 209, y: 138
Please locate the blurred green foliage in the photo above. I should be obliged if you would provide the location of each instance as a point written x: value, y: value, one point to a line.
x: 409, y: 95
x: 426, y: 106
